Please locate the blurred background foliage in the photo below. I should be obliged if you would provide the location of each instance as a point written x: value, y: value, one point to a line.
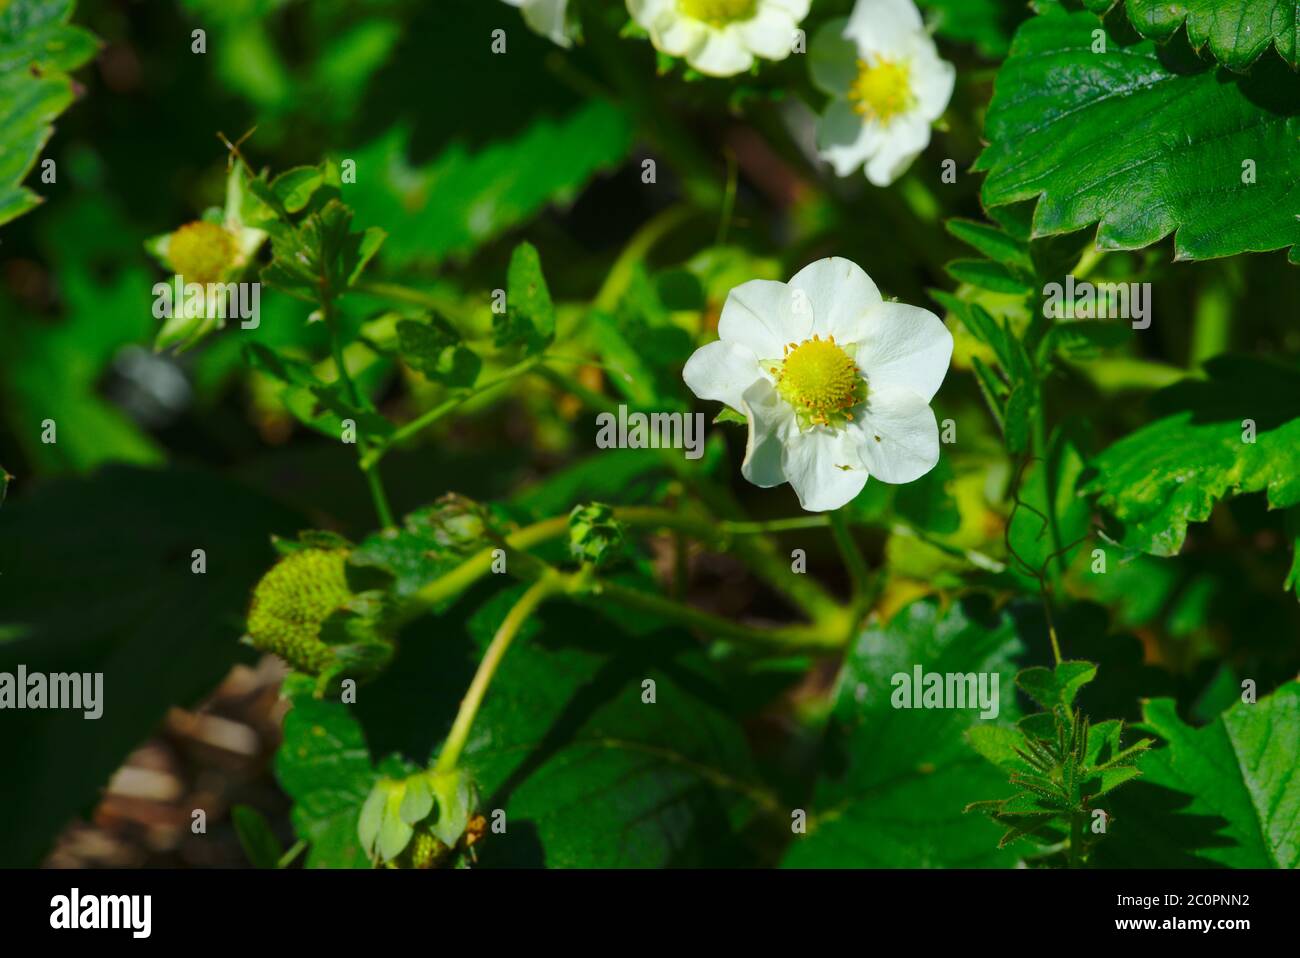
x: 461, y: 153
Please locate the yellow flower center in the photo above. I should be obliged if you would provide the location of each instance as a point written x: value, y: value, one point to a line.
x: 821, y: 381
x: 201, y: 252
x: 718, y: 13
x: 882, y: 90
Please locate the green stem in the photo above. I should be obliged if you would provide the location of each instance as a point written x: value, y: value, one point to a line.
x: 399, y: 293
x: 1043, y: 453
x: 519, y: 613
x: 859, y: 574
x: 784, y: 638
x: 430, y: 416
x: 704, y: 529
x: 453, y: 583
x: 368, y: 468
x: 1076, y: 839
x: 377, y: 494
x: 760, y: 552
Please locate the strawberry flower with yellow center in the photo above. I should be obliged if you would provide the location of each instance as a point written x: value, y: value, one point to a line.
x: 834, y: 382
x: 887, y: 85
x: 721, y: 37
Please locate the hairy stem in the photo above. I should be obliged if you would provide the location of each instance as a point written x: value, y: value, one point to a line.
x: 430, y: 416
x: 519, y: 613
x: 368, y: 468
x: 784, y: 637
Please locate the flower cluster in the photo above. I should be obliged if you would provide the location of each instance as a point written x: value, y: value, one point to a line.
x: 879, y: 66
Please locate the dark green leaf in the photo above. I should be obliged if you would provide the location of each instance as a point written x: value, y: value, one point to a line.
x: 97, y: 577
x: 1052, y: 130
x: 894, y: 782
x: 256, y: 837
x: 1173, y: 471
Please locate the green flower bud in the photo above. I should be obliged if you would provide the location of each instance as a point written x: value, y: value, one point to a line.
x: 594, y: 535
x: 455, y: 522
x: 292, y: 602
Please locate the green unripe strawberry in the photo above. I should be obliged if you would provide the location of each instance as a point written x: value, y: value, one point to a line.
x: 202, y: 252
x: 424, y: 850
x: 292, y: 602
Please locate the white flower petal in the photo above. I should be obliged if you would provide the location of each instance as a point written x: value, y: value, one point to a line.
x: 769, y: 33
x: 884, y: 26
x: 846, y: 139
x: 770, y: 423
x: 723, y: 371
x: 825, y: 467
x: 681, y: 37
x: 758, y: 316
x: 647, y: 12
x: 902, y: 436
x: 932, y: 79
x: 904, y: 346
x: 833, y: 59
x: 723, y: 54
x: 797, y: 9
x: 840, y: 294
x: 899, y: 144
x: 547, y: 17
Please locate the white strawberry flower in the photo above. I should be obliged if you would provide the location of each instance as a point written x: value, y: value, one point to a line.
x: 547, y: 17
x: 888, y: 86
x: 834, y: 382
x: 721, y: 37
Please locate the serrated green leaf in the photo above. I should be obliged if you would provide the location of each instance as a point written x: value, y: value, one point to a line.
x: 464, y: 198
x: 1172, y: 472
x: 1063, y: 128
x: 1223, y: 795
x: 1236, y: 31
x: 38, y: 48
x: 895, y: 781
